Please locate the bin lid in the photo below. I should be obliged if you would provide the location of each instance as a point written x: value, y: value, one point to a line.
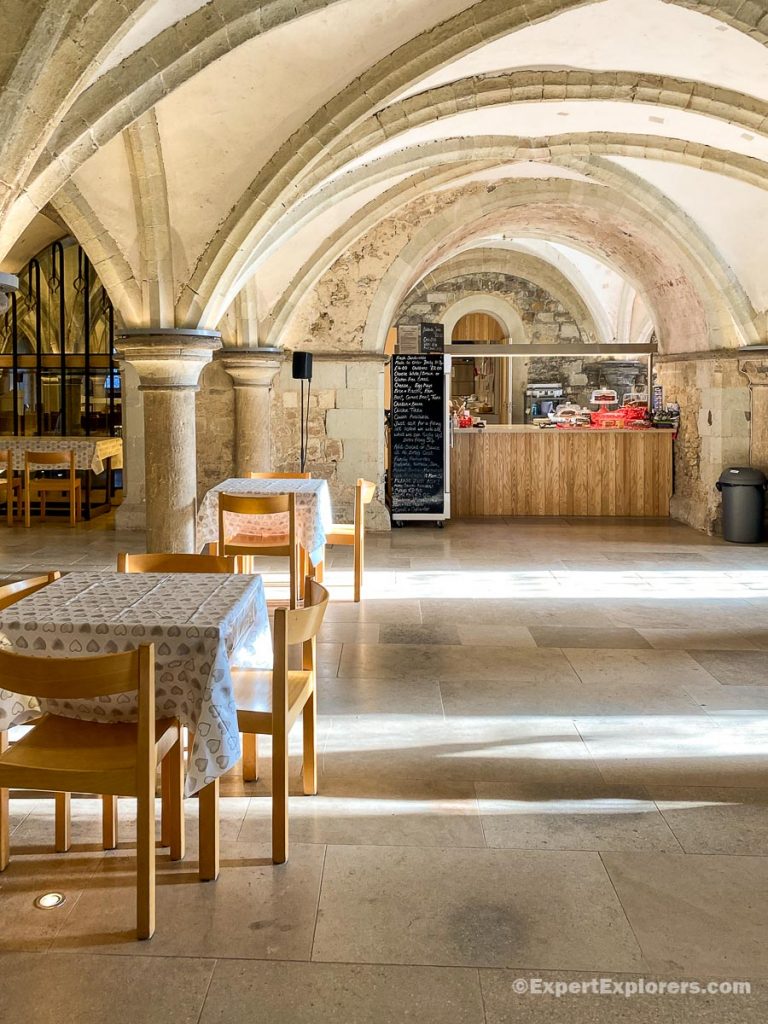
x: 743, y: 475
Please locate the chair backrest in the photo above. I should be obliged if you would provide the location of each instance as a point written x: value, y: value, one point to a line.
x: 176, y: 563
x: 256, y: 505
x: 13, y: 592
x: 6, y: 464
x: 79, y: 678
x: 279, y: 476
x: 298, y: 625
x: 64, y: 460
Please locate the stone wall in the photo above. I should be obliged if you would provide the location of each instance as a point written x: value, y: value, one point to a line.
x: 345, y: 433
x: 715, y: 432
x: 545, y: 320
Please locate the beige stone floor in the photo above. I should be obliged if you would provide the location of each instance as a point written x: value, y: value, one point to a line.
x: 544, y: 754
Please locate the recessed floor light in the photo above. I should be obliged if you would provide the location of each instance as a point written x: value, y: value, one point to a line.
x: 50, y: 900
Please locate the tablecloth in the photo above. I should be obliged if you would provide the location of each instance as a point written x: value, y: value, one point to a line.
x: 314, y: 515
x: 196, y: 622
x: 90, y: 452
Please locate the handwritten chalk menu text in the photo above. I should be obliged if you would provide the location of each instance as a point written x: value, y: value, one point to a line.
x: 417, y: 435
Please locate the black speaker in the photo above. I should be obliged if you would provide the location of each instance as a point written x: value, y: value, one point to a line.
x: 302, y: 366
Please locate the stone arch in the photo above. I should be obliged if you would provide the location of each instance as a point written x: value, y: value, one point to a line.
x: 581, y: 302
x: 504, y: 312
x: 206, y: 302
x: 580, y: 215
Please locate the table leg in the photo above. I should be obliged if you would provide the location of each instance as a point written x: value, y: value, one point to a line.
x: 209, y: 832
x: 4, y: 813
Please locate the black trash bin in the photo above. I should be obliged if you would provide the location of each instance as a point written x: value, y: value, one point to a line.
x: 743, y: 491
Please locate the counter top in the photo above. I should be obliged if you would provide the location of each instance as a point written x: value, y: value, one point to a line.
x: 526, y: 428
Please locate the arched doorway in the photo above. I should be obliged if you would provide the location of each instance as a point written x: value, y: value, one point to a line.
x: 483, y: 384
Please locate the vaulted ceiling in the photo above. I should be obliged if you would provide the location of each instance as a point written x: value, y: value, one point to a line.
x: 196, y: 149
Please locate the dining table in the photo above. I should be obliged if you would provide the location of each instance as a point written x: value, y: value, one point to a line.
x: 92, y: 455
x: 201, y: 625
x: 314, y: 513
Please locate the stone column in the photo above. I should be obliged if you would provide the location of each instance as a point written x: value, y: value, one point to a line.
x: 253, y: 373
x: 168, y: 362
x: 8, y: 283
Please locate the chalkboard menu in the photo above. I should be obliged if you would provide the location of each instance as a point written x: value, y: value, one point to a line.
x: 432, y: 338
x: 417, y: 439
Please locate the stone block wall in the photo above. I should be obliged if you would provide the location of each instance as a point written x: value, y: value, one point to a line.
x: 215, y: 425
x: 715, y: 432
x: 345, y: 432
x: 546, y: 321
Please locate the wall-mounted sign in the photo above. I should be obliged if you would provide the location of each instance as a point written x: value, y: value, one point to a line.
x: 408, y: 339
x: 432, y: 338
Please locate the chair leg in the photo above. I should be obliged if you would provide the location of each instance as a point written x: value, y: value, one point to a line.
x: 173, y: 767
x: 309, y: 725
x: 145, y: 862
x: 63, y: 821
x: 4, y: 814
x: 358, y: 573
x: 209, y: 832
x: 279, y: 797
x: 28, y: 508
x: 73, y: 507
x: 320, y: 569
x: 250, y: 746
x: 109, y: 822
x: 165, y: 804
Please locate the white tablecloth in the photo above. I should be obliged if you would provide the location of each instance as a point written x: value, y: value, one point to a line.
x: 196, y: 622
x: 314, y: 515
x: 90, y: 452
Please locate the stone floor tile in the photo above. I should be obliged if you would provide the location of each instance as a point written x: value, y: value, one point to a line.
x: 504, y: 1002
x: 292, y: 993
x: 88, y: 989
x: 546, y: 816
x: 256, y: 909
x: 503, y: 908
x: 696, y: 915
x: 715, y: 820
x: 587, y: 636
x: 735, y: 668
x: 376, y: 811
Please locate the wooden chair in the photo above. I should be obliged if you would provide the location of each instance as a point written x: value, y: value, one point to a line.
x: 10, y: 487
x: 268, y: 703
x: 303, y: 556
x: 258, y: 544
x: 66, y: 754
x: 176, y: 563
x: 10, y: 594
x: 42, y: 486
x: 353, y: 534
x: 161, y: 563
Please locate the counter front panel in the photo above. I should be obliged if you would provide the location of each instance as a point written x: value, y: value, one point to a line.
x: 533, y: 472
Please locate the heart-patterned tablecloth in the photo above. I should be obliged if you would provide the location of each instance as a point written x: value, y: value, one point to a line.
x: 199, y: 623
x: 314, y: 515
x: 90, y: 452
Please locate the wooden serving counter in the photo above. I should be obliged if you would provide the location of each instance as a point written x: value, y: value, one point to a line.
x: 529, y: 471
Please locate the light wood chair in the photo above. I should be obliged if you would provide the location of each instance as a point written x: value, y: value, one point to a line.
x: 253, y: 544
x: 66, y: 754
x: 10, y: 594
x: 303, y: 556
x: 176, y: 563
x: 353, y: 534
x: 40, y: 487
x: 268, y: 703
x: 161, y: 562
x: 10, y: 487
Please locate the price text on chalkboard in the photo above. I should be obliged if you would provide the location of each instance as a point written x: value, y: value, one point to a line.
x: 418, y: 435
x: 432, y: 338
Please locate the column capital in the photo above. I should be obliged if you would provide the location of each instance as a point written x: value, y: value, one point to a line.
x: 167, y: 358
x: 755, y: 370
x: 8, y: 283
x: 252, y: 367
